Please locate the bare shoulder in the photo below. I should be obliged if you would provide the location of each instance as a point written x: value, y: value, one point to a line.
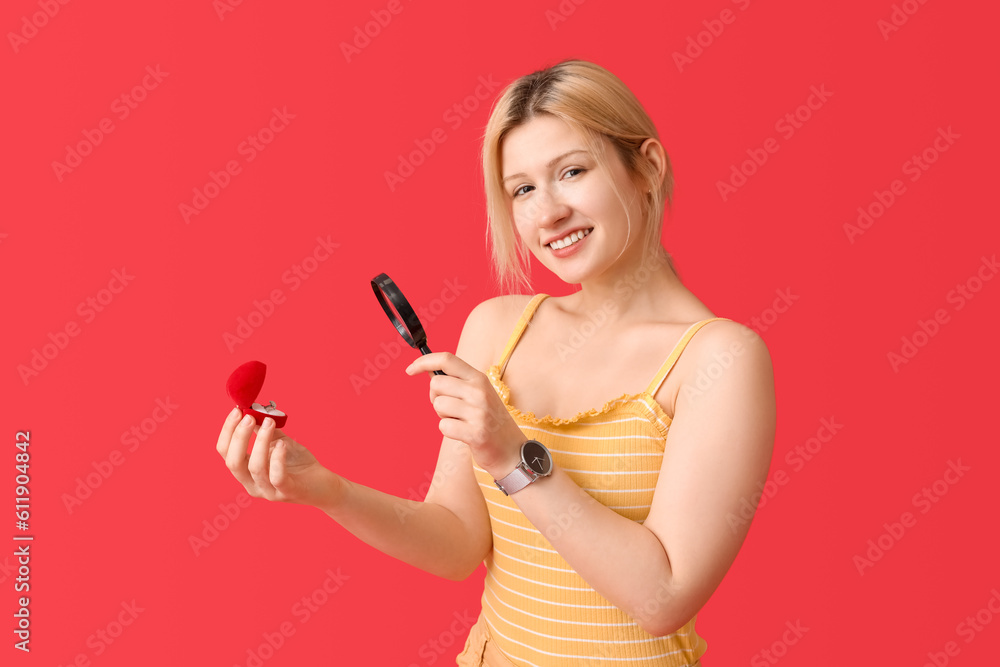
x: 724, y: 348
x: 729, y: 334
x: 718, y: 454
x: 487, y: 328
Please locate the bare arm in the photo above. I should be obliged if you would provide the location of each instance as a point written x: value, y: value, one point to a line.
x: 719, y: 447
x: 448, y: 534
x: 661, y: 572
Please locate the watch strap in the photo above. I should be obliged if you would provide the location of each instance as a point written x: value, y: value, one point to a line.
x: 516, y: 480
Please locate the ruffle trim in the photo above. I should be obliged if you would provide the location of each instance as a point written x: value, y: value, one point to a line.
x: 531, y: 418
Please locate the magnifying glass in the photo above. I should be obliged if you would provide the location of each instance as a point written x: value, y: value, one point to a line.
x: 398, y: 309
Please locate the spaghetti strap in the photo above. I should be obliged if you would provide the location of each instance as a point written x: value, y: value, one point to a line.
x: 665, y: 369
x: 522, y: 324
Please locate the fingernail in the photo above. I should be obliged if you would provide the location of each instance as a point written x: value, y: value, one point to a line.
x: 267, y: 423
x: 247, y: 419
x: 235, y: 413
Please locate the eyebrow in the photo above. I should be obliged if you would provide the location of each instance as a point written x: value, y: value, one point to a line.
x: 550, y: 164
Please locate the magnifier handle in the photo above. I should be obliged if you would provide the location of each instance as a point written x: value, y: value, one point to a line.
x: 426, y: 350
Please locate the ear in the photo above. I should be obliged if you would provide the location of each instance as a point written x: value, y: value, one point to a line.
x: 653, y: 151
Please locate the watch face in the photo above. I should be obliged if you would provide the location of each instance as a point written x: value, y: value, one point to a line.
x: 537, y: 457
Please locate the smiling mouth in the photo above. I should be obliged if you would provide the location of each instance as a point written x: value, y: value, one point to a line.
x: 569, y: 239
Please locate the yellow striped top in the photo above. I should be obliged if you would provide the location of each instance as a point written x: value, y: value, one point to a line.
x: 539, y: 611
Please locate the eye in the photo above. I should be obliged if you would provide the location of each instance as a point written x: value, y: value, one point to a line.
x: 569, y: 172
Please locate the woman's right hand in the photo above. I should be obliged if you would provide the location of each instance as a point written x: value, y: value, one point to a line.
x: 279, y: 468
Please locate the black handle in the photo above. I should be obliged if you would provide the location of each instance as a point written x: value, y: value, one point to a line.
x: 426, y: 350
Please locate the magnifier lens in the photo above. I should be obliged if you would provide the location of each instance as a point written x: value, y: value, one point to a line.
x: 401, y: 313
x: 397, y: 319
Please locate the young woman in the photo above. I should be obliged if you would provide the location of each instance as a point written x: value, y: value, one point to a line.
x: 607, y: 523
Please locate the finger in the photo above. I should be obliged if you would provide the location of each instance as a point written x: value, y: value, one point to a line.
x: 227, y: 432
x: 449, y: 407
x: 456, y: 367
x: 439, y: 361
x: 424, y: 363
x: 236, y: 457
x: 448, y: 385
x: 279, y: 463
x: 259, y: 465
x: 277, y: 436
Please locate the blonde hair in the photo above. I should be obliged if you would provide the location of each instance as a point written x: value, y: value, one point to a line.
x: 596, y: 104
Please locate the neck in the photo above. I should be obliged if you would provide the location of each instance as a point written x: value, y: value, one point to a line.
x: 633, y: 290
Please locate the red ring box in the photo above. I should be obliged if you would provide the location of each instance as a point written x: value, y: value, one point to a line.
x: 244, y: 385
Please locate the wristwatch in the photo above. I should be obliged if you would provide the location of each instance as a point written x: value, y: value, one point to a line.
x: 536, y: 461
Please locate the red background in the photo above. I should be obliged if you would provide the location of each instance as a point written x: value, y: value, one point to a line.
x: 162, y: 336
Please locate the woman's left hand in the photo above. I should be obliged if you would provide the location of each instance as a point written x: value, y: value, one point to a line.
x: 472, y: 412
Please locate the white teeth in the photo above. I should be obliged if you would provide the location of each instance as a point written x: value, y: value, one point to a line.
x: 569, y: 239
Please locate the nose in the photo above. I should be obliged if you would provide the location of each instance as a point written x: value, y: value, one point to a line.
x: 546, y: 209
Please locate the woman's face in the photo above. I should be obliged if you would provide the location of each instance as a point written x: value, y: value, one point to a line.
x: 555, y: 188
